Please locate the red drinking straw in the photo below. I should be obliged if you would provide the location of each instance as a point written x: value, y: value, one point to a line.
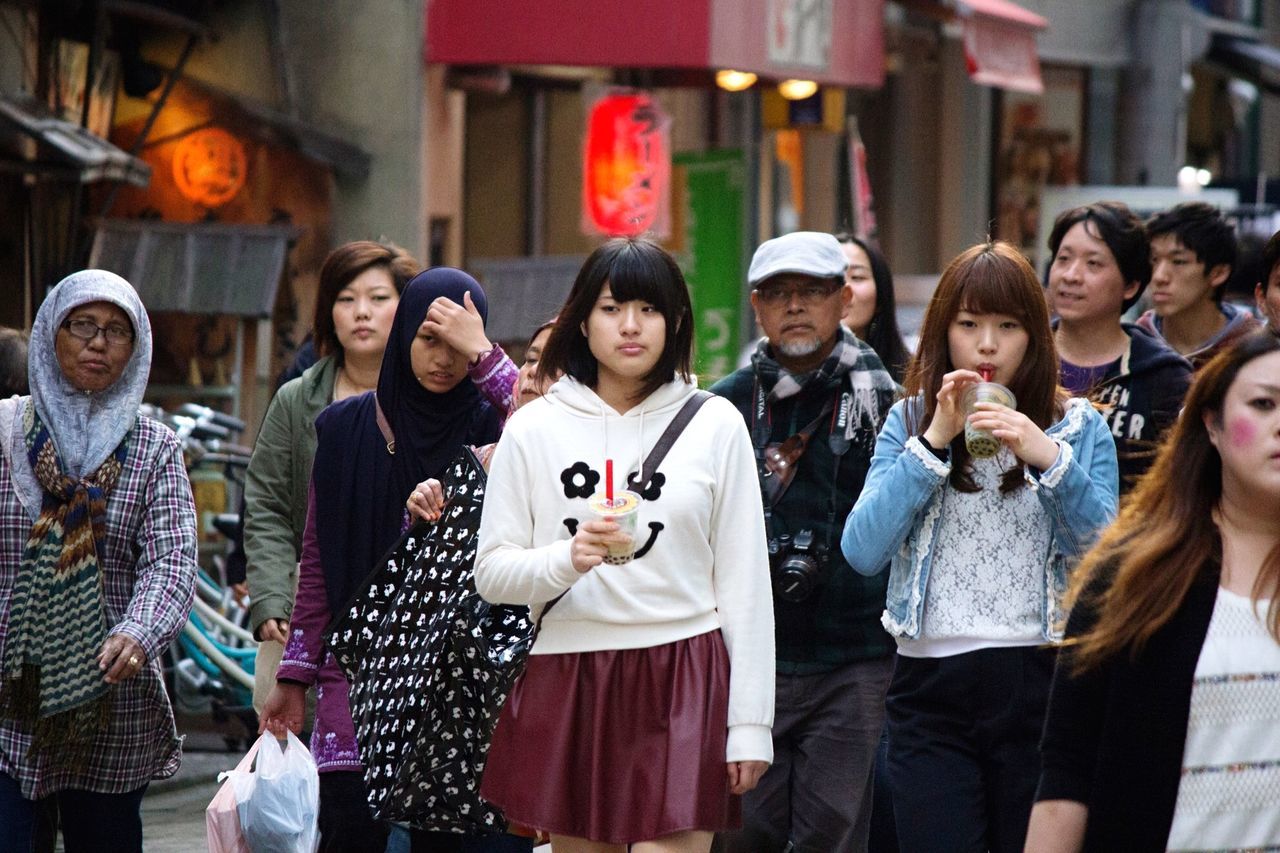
x: 608, y: 481
x: 987, y: 373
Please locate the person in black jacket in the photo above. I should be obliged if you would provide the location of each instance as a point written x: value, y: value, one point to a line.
x: 1163, y: 729
x: 1101, y: 264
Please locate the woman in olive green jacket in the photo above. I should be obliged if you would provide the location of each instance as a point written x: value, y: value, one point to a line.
x: 356, y: 301
x: 359, y: 288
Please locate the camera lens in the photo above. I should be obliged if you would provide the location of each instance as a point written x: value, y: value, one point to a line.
x: 796, y: 577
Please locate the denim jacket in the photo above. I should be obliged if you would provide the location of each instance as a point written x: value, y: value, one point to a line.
x: 896, y: 517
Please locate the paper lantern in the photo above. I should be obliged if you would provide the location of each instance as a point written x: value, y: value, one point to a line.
x: 209, y: 166
x: 626, y: 165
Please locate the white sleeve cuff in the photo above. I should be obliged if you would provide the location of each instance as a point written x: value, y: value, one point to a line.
x: 561, y: 564
x: 749, y: 743
x: 1053, y: 475
x: 933, y: 463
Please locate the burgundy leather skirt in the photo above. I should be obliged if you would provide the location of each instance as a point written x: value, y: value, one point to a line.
x: 617, y: 746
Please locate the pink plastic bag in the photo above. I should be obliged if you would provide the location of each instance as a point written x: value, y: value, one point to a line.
x: 221, y: 818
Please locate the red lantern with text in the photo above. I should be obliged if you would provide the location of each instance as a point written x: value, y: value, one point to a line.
x: 627, y: 166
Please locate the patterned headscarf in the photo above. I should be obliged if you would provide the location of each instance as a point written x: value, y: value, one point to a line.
x: 86, y: 428
x: 76, y: 446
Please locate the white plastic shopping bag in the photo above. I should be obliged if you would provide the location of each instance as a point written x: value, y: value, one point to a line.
x: 267, y: 806
x: 279, y: 815
x: 222, y: 818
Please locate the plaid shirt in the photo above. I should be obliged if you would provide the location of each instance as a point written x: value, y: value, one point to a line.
x: 840, y: 623
x: 148, y: 565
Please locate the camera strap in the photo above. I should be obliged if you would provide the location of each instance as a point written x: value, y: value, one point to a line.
x: 838, y: 409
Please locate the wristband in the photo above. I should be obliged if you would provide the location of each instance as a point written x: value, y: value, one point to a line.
x: 941, y: 454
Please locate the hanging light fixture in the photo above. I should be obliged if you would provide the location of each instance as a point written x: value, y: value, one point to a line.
x: 734, y: 81
x: 797, y: 90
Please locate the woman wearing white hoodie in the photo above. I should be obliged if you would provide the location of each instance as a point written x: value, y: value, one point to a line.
x: 646, y: 706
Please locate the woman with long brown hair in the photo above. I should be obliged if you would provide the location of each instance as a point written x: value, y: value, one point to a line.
x: 1163, y: 729
x: 980, y: 549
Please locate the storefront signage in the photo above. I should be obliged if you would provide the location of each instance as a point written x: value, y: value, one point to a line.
x: 626, y: 165
x: 209, y: 166
x: 799, y: 33
x: 709, y: 244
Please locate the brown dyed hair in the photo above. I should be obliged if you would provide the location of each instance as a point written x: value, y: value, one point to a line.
x: 343, y: 266
x: 990, y: 278
x: 633, y: 269
x: 1139, y: 572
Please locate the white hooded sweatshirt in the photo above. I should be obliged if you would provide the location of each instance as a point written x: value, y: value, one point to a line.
x: 701, y: 561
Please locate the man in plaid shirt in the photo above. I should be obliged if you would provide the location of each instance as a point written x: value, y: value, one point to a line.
x: 814, y: 398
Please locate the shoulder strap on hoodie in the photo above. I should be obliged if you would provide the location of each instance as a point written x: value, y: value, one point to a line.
x: 670, y: 434
x: 650, y: 466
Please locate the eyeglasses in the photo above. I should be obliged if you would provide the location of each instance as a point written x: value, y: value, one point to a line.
x: 87, y: 330
x: 809, y: 294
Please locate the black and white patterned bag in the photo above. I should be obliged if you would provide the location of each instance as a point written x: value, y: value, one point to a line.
x: 430, y: 664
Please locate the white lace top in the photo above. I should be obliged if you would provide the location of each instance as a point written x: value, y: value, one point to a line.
x: 1229, y: 796
x: 985, y: 579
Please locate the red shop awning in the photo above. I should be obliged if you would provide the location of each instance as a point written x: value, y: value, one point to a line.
x: 835, y: 42
x: 1000, y: 44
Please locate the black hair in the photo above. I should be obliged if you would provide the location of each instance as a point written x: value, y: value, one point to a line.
x: 633, y: 268
x: 882, y: 334
x: 1202, y: 229
x: 13, y: 362
x: 1245, y: 274
x: 1270, y: 258
x: 1115, y: 224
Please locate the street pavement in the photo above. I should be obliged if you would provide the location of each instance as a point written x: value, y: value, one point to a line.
x: 173, y: 809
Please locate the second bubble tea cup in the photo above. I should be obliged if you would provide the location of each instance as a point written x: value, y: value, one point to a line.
x: 981, y: 443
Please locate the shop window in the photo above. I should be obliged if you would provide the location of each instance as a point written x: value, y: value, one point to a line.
x: 1040, y: 144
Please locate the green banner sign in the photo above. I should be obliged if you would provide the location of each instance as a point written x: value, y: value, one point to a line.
x: 710, y: 220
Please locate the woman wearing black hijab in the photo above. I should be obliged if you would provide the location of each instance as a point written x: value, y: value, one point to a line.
x: 372, y: 450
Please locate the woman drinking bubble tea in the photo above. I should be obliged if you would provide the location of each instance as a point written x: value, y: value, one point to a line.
x: 646, y: 705
x: 981, y: 548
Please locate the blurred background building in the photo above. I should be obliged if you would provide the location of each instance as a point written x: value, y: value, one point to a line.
x: 213, y: 151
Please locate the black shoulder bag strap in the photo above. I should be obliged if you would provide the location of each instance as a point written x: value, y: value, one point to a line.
x: 651, y: 463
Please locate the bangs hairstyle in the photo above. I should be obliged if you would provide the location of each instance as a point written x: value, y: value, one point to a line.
x: 990, y: 278
x: 342, y: 267
x: 1139, y: 572
x: 633, y: 269
x: 1114, y: 224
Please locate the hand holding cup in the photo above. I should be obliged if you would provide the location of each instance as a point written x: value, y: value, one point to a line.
x: 591, y: 544
x: 999, y: 423
x: 948, y: 415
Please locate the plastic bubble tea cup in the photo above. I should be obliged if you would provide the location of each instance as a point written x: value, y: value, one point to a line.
x: 981, y: 443
x: 624, y: 510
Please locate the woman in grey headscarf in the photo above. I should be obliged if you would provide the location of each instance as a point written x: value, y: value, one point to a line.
x: 97, y: 572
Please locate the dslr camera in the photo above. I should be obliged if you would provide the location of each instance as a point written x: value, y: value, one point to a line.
x: 799, y: 564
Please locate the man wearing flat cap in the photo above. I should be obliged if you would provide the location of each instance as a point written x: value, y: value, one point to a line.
x: 814, y: 398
